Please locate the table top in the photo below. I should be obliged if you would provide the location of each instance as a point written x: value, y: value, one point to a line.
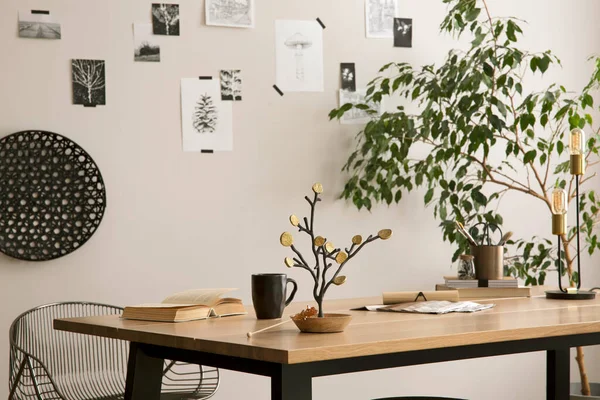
x: 369, y: 333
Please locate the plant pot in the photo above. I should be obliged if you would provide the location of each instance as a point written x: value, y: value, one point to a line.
x: 576, y: 391
x: 330, y: 323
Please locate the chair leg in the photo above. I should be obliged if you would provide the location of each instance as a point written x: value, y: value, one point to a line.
x: 17, y: 379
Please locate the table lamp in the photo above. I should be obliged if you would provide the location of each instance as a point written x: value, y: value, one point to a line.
x: 559, y: 219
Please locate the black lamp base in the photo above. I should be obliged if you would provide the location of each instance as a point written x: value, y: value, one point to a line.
x: 580, y: 295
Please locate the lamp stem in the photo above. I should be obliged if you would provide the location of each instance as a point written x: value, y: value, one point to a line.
x: 559, y: 261
x: 578, y: 243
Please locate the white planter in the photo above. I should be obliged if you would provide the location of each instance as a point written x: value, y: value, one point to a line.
x: 576, y: 391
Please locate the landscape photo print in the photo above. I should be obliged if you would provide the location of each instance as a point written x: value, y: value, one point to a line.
x: 146, y: 46
x: 38, y: 24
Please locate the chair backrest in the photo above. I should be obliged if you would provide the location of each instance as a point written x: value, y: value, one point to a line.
x: 79, y: 366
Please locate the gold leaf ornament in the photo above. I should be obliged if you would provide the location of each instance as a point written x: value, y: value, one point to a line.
x: 294, y: 220
x: 286, y: 239
x: 339, y: 280
x: 329, y: 247
x: 385, y: 234
x: 317, y: 188
x: 289, y: 262
x: 341, y: 257
x: 356, y: 239
x: 319, y: 241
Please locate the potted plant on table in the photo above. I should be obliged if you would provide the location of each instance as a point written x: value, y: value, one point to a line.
x: 485, y: 136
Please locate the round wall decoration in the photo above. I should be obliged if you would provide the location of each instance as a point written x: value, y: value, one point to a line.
x: 52, y: 196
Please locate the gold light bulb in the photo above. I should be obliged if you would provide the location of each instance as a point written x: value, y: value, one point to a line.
x: 577, y: 142
x: 559, y: 202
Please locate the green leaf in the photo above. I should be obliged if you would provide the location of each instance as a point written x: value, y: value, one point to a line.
x: 560, y: 146
x: 543, y: 63
x: 533, y: 64
x: 479, y: 197
x: 473, y: 14
x: 529, y: 156
x: 429, y: 196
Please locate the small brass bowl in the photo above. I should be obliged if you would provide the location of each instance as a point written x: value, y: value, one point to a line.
x: 330, y: 323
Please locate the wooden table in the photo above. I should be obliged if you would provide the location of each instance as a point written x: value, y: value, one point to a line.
x: 373, y: 340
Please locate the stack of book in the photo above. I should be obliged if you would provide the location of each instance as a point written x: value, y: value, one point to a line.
x: 473, y: 288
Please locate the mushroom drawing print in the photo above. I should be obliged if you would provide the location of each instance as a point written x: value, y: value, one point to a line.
x: 299, y: 56
x: 165, y: 19
x: 206, y: 120
x: 379, y: 15
x: 89, y: 82
x: 232, y: 13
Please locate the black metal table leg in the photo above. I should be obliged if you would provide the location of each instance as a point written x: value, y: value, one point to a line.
x: 558, y: 374
x: 291, y: 382
x: 144, y: 375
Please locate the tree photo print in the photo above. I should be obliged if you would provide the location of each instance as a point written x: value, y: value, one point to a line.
x: 89, y: 83
x: 165, y: 19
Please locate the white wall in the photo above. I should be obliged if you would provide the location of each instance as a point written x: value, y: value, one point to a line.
x: 176, y: 221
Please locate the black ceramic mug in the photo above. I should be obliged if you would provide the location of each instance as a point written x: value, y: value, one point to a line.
x: 269, y: 294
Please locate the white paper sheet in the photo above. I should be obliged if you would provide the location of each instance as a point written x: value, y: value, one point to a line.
x: 206, y: 120
x: 231, y: 13
x: 299, y: 56
x: 356, y: 116
x: 379, y: 18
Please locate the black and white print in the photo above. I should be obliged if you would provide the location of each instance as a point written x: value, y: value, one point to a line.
x: 165, y: 19
x: 206, y: 120
x: 355, y: 115
x: 205, y: 116
x: 89, y: 82
x: 403, y: 29
x: 231, y: 85
x: 348, y: 75
x: 146, y: 47
x: 379, y: 16
x: 299, y: 56
x: 38, y: 24
x: 232, y: 13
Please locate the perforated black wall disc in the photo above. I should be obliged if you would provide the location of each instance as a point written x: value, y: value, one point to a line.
x: 52, y: 196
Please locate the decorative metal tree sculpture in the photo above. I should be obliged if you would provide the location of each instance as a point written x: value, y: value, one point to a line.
x: 325, y: 252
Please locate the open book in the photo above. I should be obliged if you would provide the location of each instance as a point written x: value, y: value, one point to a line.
x: 188, y: 306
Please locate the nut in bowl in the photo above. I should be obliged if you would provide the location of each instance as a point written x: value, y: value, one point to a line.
x: 308, y: 321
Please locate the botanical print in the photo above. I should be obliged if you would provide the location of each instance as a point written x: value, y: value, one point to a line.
x: 348, y: 75
x: 89, y: 84
x: 206, y: 120
x: 205, y: 116
x: 146, y: 48
x: 233, y: 13
x: 38, y: 24
x: 403, y: 32
x: 379, y: 16
x: 231, y: 85
x: 356, y: 115
x: 299, y: 56
x: 165, y: 19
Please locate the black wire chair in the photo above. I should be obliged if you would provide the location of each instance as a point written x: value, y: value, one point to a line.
x: 46, y: 364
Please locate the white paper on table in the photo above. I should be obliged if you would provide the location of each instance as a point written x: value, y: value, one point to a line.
x: 299, y: 56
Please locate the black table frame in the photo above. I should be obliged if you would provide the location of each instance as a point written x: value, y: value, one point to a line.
x: 294, y: 381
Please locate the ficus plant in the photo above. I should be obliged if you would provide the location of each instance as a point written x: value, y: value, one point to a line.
x: 477, y: 135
